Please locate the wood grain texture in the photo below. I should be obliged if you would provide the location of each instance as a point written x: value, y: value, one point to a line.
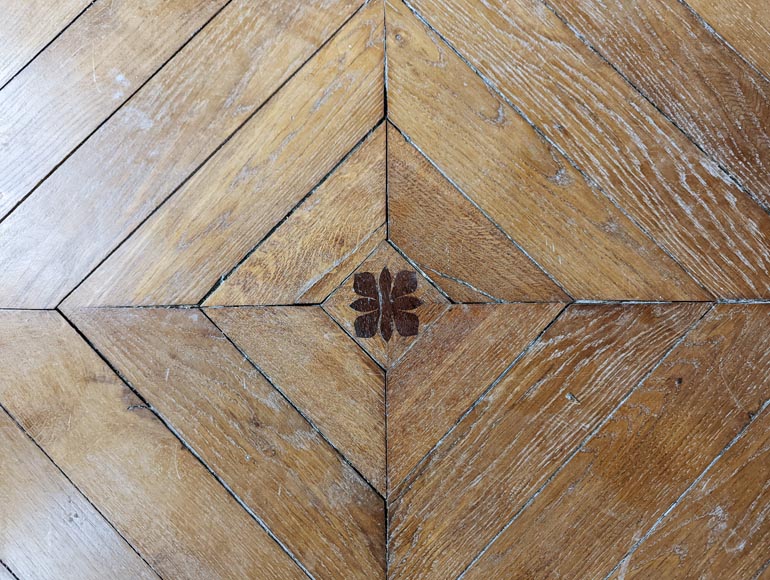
x: 385, y: 352
x: 521, y: 182
x: 5, y: 572
x: 136, y: 159
x: 642, y: 162
x: 690, y: 75
x: 465, y: 254
x: 252, y: 182
x: 116, y: 451
x: 646, y: 456
x: 320, y: 243
x: 322, y: 371
x: 27, y: 27
x: 720, y: 529
x: 516, y: 436
x: 47, y: 528
x: 448, y: 369
x: 82, y: 77
x: 245, y: 430
x: 743, y: 24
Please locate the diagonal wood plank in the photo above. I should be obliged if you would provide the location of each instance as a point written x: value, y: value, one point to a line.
x: 150, y: 146
x: 470, y: 259
x: 743, y: 23
x: 639, y: 463
x: 636, y: 156
x: 82, y: 77
x: 48, y: 529
x: 720, y: 528
x: 522, y: 183
x: 322, y: 371
x: 28, y: 26
x: 117, y: 452
x: 689, y: 74
x: 217, y: 216
x: 515, y: 437
x: 264, y: 450
x: 448, y: 369
x: 320, y: 243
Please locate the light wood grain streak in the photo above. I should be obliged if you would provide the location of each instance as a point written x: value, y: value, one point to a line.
x: 252, y: 182
x: 525, y: 185
x: 657, y: 443
x: 136, y: 160
x: 248, y: 433
x: 82, y: 77
x: 505, y: 449
x: 690, y: 75
x: 638, y: 158
x: 133, y: 469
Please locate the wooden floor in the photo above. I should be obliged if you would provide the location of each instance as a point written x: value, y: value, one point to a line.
x: 419, y: 289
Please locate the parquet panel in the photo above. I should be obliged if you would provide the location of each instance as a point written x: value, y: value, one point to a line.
x: 672, y: 190
x: 117, y: 452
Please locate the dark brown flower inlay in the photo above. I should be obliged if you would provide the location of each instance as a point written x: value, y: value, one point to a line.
x: 386, y: 303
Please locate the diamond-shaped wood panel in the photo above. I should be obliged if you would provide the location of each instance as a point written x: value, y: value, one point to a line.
x: 423, y: 289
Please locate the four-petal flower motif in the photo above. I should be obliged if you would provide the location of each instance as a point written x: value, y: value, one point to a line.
x: 386, y: 303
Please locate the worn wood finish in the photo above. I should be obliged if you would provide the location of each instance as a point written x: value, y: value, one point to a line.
x: 115, y: 450
x: 322, y: 371
x: 27, y: 27
x: 254, y: 180
x: 242, y: 427
x: 639, y: 159
x: 448, y: 369
x: 720, y: 528
x: 689, y: 74
x: 524, y: 185
x: 581, y: 368
x: 322, y: 242
x: 386, y: 352
x: 646, y: 456
x: 488, y: 269
x: 86, y: 73
x: 48, y: 529
x: 136, y: 159
x: 743, y: 24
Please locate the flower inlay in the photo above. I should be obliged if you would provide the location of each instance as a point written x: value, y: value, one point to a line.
x: 385, y: 303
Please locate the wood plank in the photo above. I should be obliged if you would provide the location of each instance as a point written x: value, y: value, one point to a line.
x: 252, y: 182
x: 27, y: 27
x: 431, y: 306
x: 5, y: 572
x: 720, y: 528
x: 465, y: 252
x: 143, y: 153
x: 48, y: 529
x: 320, y: 243
x: 650, y: 451
x: 116, y: 451
x: 448, y: 369
x: 689, y: 74
x: 244, y: 429
x: 634, y: 154
x: 82, y: 77
x: 743, y: 24
x: 322, y: 371
x: 521, y: 182
x: 514, y: 439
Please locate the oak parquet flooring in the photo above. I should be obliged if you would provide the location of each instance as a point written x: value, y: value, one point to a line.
x: 246, y: 432
x: 252, y: 182
x: 151, y: 145
x: 83, y: 76
x: 87, y: 547
x: 27, y: 27
x: 626, y: 471
x: 643, y: 163
x: 117, y: 452
x: 518, y: 179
